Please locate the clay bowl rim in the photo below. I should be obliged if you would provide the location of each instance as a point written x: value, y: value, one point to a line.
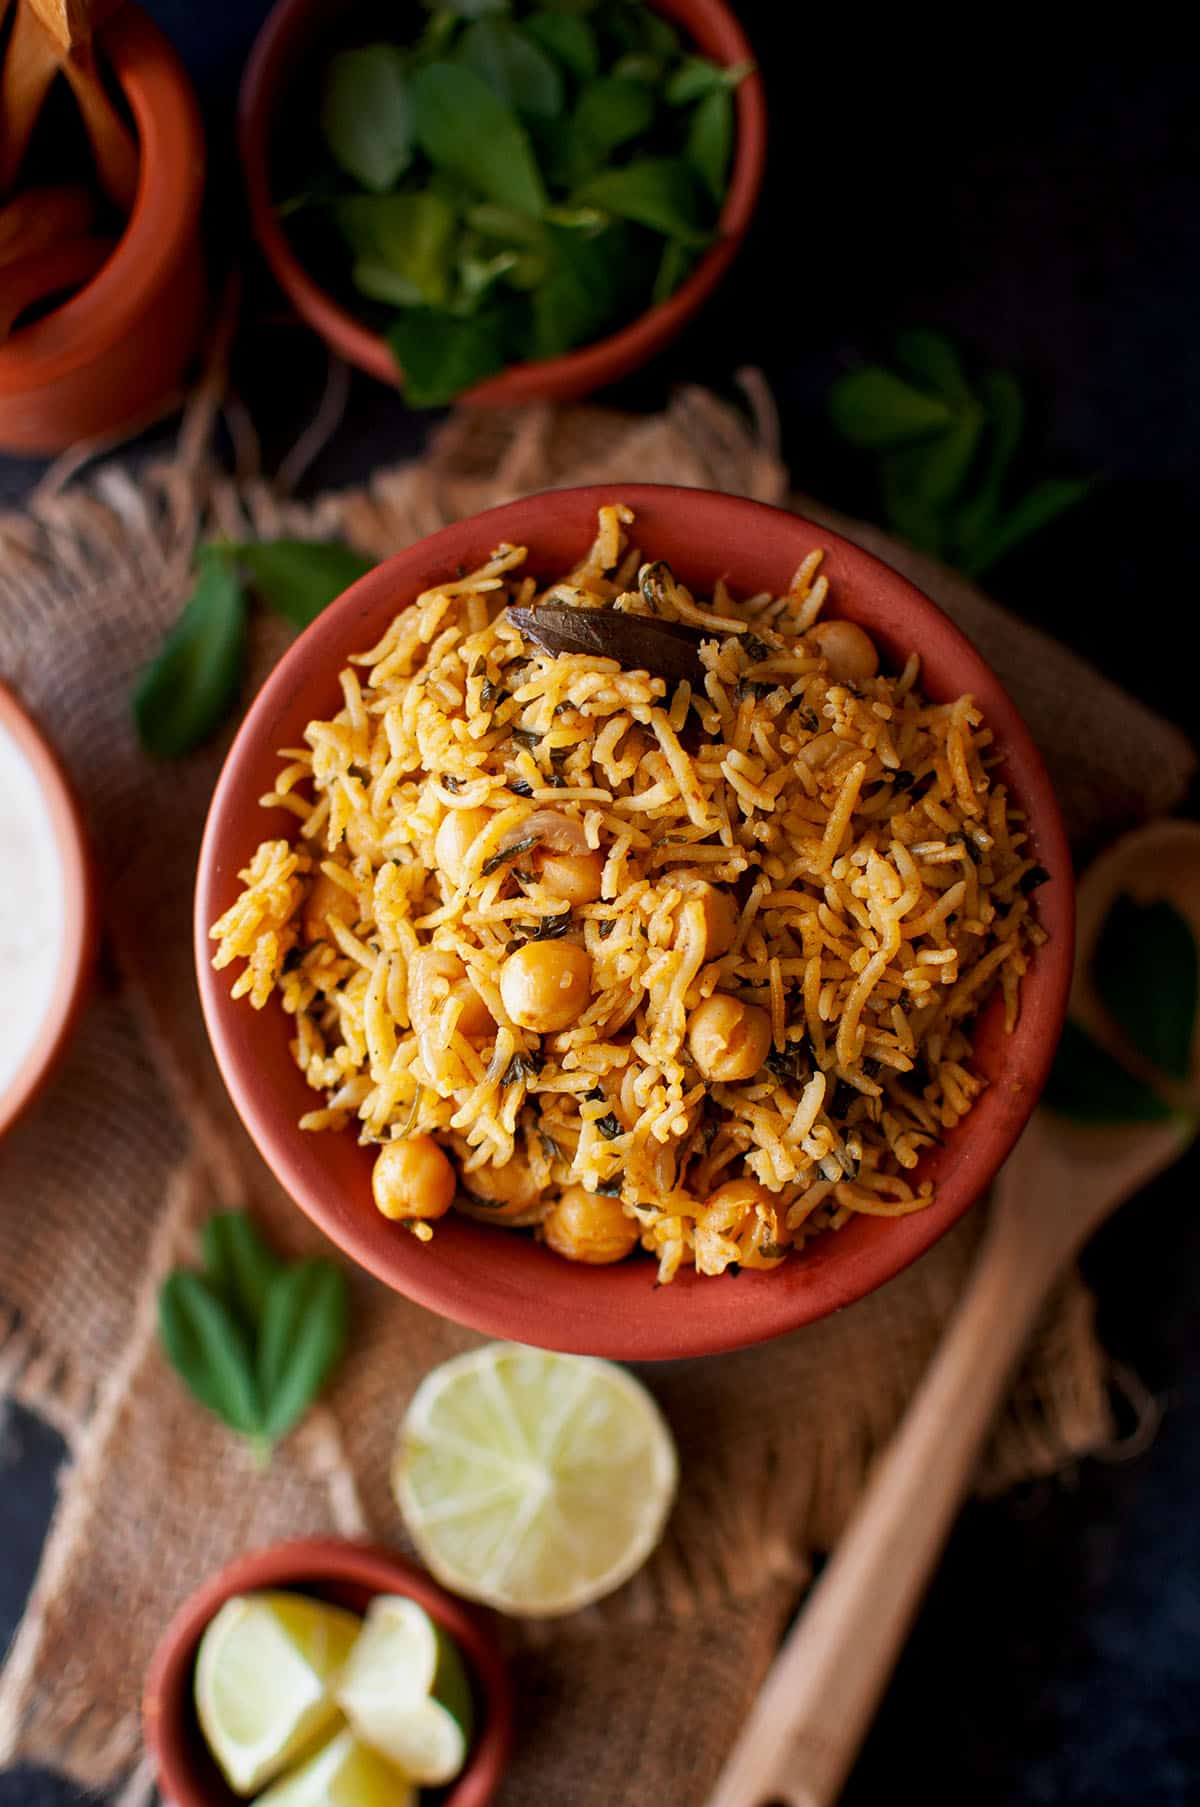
x: 282, y: 43
x: 164, y: 218
x: 79, y: 910
x: 474, y: 1274
x: 302, y: 1565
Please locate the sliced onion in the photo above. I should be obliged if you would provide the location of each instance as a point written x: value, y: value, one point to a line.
x: 550, y: 828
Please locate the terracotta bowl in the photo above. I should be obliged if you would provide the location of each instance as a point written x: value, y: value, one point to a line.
x: 346, y: 1574
x: 290, y: 33
x: 79, y: 919
x: 501, y: 1281
x: 119, y: 346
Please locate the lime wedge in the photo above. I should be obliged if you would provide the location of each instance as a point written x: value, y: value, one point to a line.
x: 262, y: 1676
x: 534, y: 1481
x: 405, y: 1691
x: 344, y: 1773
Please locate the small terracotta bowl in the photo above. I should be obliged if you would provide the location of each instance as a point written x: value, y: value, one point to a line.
x: 79, y: 912
x: 502, y: 1281
x: 109, y: 354
x: 346, y: 1574
x: 295, y: 27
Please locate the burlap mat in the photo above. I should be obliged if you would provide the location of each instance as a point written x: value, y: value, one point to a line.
x: 101, y: 1190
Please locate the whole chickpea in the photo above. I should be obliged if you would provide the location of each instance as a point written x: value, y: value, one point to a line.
x: 575, y: 877
x: 413, y: 1178
x: 587, y: 1226
x: 850, y: 652
x: 326, y: 898
x: 720, y: 919
x: 504, y: 1192
x: 457, y: 830
x: 729, y: 1040
x: 747, y: 1196
x: 425, y: 994
x: 545, y: 984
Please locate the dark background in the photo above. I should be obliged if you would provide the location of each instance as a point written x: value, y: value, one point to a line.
x: 1039, y: 204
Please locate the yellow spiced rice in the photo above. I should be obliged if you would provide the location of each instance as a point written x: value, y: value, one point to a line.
x: 871, y: 873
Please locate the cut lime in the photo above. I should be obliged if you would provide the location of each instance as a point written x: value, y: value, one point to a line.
x: 344, y: 1773
x: 534, y: 1481
x: 405, y: 1691
x: 262, y: 1675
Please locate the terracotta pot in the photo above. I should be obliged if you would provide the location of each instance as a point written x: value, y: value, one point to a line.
x: 79, y: 912
x: 346, y: 1574
x: 291, y: 32
x: 121, y: 345
x: 501, y: 1281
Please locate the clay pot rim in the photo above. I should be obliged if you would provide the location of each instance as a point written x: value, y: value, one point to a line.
x: 164, y: 217
x: 496, y: 1281
x: 282, y: 42
x: 79, y: 911
x: 302, y: 1565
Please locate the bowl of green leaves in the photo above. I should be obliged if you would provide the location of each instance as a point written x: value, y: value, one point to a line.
x: 500, y: 201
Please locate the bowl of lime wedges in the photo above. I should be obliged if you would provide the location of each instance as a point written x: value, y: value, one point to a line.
x: 322, y: 1670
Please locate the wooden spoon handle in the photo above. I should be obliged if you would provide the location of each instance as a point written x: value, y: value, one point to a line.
x: 813, y: 1711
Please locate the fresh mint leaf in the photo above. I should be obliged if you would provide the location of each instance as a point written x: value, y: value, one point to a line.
x: 1087, y: 1084
x: 659, y: 192
x: 210, y: 1351
x: 710, y: 141
x: 877, y: 410
x: 299, y: 578
x: 588, y: 283
x: 932, y: 360
x: 238, y: 1266
x: 920, y: 481
x: 366, y: 117
x: 466, y: 130
x: 441, y: 355
x: 1034, y: 510
x: 411, y: 235
x: 1147, y: 976
x: 513, y: 65
x: 570, y: 38
x: 302, y: 1336
x: 610, y: 112
x: 697, y: 77
x: 674, y: 266
x: 193, y: 683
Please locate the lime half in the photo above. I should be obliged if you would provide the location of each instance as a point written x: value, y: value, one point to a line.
x: 342, y: 1774
x: 405, y: 1691
x: 534, y: 1481
x: 262, y: 1675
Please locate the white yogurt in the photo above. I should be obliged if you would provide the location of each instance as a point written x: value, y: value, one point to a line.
x: 32, y: 922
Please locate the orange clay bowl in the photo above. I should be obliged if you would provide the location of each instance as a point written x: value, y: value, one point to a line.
x: 296, y: 27
x: 503, y: 1281
x: 78, y: 951
x: 346, y: 1574
x: 108, y: 356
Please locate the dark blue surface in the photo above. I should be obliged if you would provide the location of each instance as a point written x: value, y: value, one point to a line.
x: 1042, y: 207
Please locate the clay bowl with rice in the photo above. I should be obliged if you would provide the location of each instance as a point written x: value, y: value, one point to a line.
x: 657, y: 931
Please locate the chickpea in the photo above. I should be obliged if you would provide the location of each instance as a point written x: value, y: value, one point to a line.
x: 326, y: 898
x: 729, y: 1040
x: 504, y: 1192
x: 574, y: 877
x: 850, y: 652
x: 720, y: 919
x: 426, y: 994
x: 458, y: 829
x: 413, y: 1178
x: 545, y: 984
x: 750, y: 1230
x: 587, y: 1226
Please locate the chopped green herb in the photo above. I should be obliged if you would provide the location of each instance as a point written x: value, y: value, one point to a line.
x: 609, y: 1127
x: 1033, y: 879
x: 507, y: 855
